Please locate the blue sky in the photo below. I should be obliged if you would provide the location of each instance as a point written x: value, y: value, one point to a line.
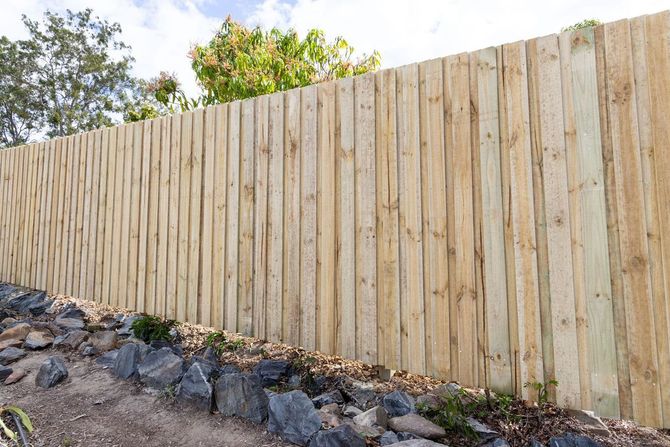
x: 161, y: 32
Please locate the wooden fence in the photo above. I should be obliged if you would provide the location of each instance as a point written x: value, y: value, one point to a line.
x: 494, y: 218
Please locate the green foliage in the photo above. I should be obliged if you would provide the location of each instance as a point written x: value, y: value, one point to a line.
x: 150, y: 328
x: 20, y: 105
x: 542, y: 389
x: 240, y: 63
x: 583, y: 24
x: 71, y: 75
x: 220, y: 342
x: 451, y: 414
x: 168, y: 393
x: 25, y: 421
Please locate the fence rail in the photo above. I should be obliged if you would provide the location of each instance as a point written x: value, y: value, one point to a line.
x: 494, y: 218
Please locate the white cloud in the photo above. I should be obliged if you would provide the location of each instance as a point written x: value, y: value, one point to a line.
x: 160, y: 32
x: 406, y: 31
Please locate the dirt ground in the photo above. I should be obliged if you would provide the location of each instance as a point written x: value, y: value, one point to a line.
x: 94, y: 409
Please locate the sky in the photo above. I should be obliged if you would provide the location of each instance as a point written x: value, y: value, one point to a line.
x: 161, y: 32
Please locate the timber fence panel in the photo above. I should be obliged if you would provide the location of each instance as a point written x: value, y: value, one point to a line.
x: 495, y: 217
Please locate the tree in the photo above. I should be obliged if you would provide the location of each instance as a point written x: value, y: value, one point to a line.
x: 21, y: 103
x: 239, y: 63
x: 583, y: 24
x: 71, y: 75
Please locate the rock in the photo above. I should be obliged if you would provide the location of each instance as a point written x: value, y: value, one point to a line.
x: 126, y: 328
x: 572, y: 440
x: 535, y: 443
x: 10, y: 355
x: 144, y: 350
x: 333, y: 397
x: 107, y: 359
x: 361, y: 393
x: 17, y: 332
x: 398, y: 403
x: 209, y: 357
x: 229, y: 369
x: 366, y: 432
x: 351, y: 411
x: 294, y: 381
x: 87, y: 350
x: 72, y: 312
x: 15, y: 376
x: 416, y: 443
x: 484, y: 432
x: 593, y: 423
x: 127, y: 360
x: 329, y: 418
x: 388, y: 438
x: 72, y: 339
x: 24, y: 301
x: 158, y: 344
x: 451, y: 389
x: 5, y: 371
x: 374, y: 417
x: 292, y: 416
x: 38, y: 339
x: 7, y: 322
x: 161, y: 368
x: 241, y: 395
x: 406, y: 436
x: 10, y: 343
x: 195, y: 388
x: 72, y: 319
x: 51, y: 373
x: 497, y: 442
x: 332, y: 408
x: 429, y: 401
x: 103, y: 340
x: 342, y: 436
x: 271, y: 371
x: 418, y: 425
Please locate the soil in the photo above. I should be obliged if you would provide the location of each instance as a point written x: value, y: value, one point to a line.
x: 94, y: 409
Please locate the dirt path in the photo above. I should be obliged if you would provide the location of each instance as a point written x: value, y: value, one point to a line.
x: 117, y: 413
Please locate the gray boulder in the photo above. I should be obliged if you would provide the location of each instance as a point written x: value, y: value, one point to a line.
x: 398, y: 403
x: 388, y: 438
x: 572, y: 440
x: 333, y: 397
x: 497, y: 442
x: 126, y: 328
x: 9, y: 355
x: 374, y: 417
x: 72, y: 319
x: 484, y: 432
x: 416, y: 443
x: 161, y: 368
x: 271, y: 371
x: 241, y: 395
x: 342, y: 436
x: 5, y: 371
x: 293, y: 417
x: 51, y: 373
x: 229, y: 369
x: 108, y: 358
x: 127, y: 360
x: 195, y: 388
x: 418, y: 425
x: 72, y: 339
x: 38, y: 339
x: 103, y: 340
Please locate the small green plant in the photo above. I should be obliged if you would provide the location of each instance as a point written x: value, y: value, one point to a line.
x: 220, y: 342
x: 23, y: 417
x: 451, y: 414
x: 542, y: 389
x: 168, y: 393
x: 150, y: 328
x: 303, y: 362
